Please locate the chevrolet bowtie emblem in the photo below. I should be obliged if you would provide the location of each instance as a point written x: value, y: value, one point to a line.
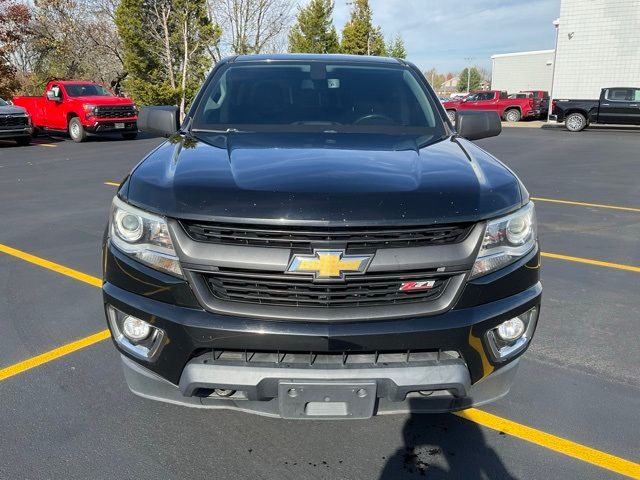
x: 328, y: 264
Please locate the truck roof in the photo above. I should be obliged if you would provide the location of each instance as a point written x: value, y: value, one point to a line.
x: 65, y: 82
x: 316, y: 57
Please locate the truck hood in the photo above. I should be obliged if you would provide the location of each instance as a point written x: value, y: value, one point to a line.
x: 102, y: 100
x: 322, y: 178
x: 11, y: 110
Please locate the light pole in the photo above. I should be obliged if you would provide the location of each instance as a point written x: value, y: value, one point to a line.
x: 469, y: 60
x: 556, y: 23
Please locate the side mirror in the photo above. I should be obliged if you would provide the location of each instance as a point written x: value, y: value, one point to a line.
x: 159, y: 120
x: 477, y: 124
x: 51, y: 95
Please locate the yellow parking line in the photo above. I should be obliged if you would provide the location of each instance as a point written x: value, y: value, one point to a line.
x: 51, y: 145
x: 552, y: 442
x: 584, y: 204
x: 589, y: 261
x: 51, y: 355
x: 529, y: 434
x: 112, y: 184
x: 41, y: 262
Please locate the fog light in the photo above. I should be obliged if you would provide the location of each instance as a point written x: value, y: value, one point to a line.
x: 135, y: 329
x: 512, y: 336
x: 511, y: 329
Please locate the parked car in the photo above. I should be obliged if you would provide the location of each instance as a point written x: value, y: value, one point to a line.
x: 509, y: 109
x: 616, y: 105
x: 542, y: 96
x: 317, y: 240
x: 79, y: 108
x: 15, y: 123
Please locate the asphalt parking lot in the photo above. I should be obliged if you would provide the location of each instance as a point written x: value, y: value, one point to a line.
x: 572, y: 413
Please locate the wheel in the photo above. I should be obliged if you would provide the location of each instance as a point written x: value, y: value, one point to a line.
x: 76, y: 130
x: 512, y: 115
x: 452, y: 116
x: 130, y: 135
x: 575, y: 122
x: 23, y: 141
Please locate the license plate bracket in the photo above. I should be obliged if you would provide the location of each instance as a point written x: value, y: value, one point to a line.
x: 326, y: 400
x: 120, y: 126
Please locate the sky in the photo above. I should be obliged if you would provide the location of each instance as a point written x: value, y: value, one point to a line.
x: 441, y: 34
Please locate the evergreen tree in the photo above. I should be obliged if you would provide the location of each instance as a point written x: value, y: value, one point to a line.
x: 359, y: 36
x: 396, y: 48
x: 314, y: 31
x: 165, y: 49
x: 472, y: 76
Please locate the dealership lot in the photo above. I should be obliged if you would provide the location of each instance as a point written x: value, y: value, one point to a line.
x: 71, y: 416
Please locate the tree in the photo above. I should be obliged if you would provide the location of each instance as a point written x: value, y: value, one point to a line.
x: 396, y: 48
x: 14, y: 29
x: 474, y: 78
x: 359, y: 36
x: 250, y: 26
x: 313, y: 31
x: 167, y: 63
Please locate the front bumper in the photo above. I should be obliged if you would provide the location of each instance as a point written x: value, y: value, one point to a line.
x: 112, y: 125
x: 183, y: 372
x: 16, y: 132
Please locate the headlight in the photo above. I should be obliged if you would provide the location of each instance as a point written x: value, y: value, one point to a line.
x: 143, y: 236
x: 506, y: 239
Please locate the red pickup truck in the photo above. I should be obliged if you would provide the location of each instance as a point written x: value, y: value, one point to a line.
x: 509, y: 109
x: 81, y: 107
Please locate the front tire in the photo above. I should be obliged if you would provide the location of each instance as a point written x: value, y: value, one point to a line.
x: 23, y: 141
x: 452, y: 116
x: 575, y: 122
x: 76, y: 130
x: 512, y: 115
x: 130, y: 135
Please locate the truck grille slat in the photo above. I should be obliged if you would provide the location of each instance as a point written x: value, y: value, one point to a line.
x: 321, y: 359
x: 304, y: 237
x: 297, y: 290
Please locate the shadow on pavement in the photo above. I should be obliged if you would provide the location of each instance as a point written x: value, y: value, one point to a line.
x: 439, y: 446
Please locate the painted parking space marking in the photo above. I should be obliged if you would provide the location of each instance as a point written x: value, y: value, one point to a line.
x: 56, y: 267
x: 112, y: 184
x: 552, y: 442
x: 585, y: 204
x: 590, y: 261
x: 51, y: 355
x: 538, y: 437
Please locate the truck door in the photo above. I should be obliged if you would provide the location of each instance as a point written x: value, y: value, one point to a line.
x: 55, y: 115
x: 482, y: 101
x: 619, y: 106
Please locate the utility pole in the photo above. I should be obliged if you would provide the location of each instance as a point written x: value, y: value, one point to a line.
x: 556, y: 23
x: 469, y: 60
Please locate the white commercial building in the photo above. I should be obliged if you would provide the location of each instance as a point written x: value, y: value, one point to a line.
x: 514, y: 72
x: 598, y: 46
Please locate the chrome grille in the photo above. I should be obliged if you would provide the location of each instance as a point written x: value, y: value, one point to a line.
x: 306, y: 238
x: 371, y: 289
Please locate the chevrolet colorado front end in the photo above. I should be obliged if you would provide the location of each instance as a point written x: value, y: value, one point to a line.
x: 317, y: 240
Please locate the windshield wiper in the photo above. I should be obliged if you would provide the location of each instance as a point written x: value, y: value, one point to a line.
x: 228, y: 130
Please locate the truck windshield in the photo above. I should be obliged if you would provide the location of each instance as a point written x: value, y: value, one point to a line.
x: 3, y: 103
x: 86, y: 90
x: 317, y: 96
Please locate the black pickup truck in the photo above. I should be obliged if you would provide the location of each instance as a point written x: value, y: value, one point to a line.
x: 316, y: 240
x: 619, y: 105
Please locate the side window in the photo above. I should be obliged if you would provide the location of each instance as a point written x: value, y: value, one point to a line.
x: 636, y: 97
x: 620, y: 94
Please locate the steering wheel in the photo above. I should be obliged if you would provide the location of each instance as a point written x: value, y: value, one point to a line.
x: 374, y: 116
